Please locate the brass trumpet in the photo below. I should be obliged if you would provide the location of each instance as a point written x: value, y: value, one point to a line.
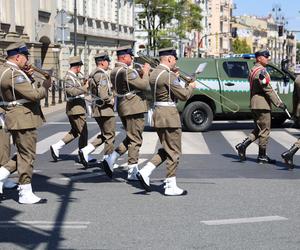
x: 188, y: 78
x: 34, y: 68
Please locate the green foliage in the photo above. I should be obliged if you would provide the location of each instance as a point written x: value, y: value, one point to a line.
x: 188, y: 16
x: 160, y: 14
x: 240, y: 46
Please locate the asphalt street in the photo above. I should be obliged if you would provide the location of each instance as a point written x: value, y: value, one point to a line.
x: 230, y: 205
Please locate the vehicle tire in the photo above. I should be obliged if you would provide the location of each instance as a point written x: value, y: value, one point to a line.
x: 197, y: 116
x: 278, y: 121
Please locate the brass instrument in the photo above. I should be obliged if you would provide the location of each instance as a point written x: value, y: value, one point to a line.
x: 34, y: 68
x: 47, y: 76
x: 188, y: 78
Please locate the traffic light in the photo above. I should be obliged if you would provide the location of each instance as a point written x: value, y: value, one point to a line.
x: 280, y: 30
x: 234, y: 32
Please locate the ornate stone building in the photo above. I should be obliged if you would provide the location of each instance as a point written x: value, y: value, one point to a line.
x: 47, y: 26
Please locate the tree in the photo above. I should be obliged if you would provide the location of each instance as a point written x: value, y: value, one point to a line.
x: 188, y: 16
x: 240, y: 46
x: 161, y: 14
x: 157, y: 14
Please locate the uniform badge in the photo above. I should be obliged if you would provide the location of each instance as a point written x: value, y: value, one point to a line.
x: 20, y: 79
x: 133, y: 75
x: 103, y: 82
x: 177, y: 82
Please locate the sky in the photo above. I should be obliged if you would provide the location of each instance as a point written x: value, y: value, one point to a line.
x: 290, y: 9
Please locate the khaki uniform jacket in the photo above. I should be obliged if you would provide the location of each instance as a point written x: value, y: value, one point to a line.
x: 168, y: 89
x: 74, y: 89
x: 100, y: 86
x: 261, y: 92
x: 128, y: 86
x: 15, y: 85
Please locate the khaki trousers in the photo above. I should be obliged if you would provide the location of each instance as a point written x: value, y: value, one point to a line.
x: 9, y: 164
x: 4, y: 147
x: 107, y: 125
x: 262, y: 121
x: 134, y: 127
x: 78, y: 128
x: 170, y: 138
x: 25, y: 141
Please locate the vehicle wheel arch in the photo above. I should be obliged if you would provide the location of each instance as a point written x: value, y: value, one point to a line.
x: 202, y: 98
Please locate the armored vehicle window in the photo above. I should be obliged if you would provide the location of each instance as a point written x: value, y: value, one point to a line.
x: 274, y: 73
x: 236, y: 69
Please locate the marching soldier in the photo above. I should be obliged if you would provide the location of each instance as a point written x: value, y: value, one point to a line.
x: 75, y: 108
x: 20, y: 100
x: 131, y: 106
x: 261, y: 97
x: 166, y: 88
x: 103, y: 113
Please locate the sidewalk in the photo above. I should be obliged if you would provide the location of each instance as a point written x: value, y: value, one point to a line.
x: 58, y: 107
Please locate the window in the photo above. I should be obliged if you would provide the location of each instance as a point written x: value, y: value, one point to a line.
x: 274, y: 74
x: 236, y: 69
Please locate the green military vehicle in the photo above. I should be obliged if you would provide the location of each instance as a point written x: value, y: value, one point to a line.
x: 223, y: 91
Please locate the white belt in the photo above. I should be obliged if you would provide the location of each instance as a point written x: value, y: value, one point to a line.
x: 165, y: 104
x: 75, y: 97
x: 127, y: 94
x: 19, y: 102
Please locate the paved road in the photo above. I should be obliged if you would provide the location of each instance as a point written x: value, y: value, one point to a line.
x: 230, y: 205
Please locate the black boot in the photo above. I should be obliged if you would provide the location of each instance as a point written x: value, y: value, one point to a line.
x: 241, y: 148
x: 263, y: 158
x: 288, y: 155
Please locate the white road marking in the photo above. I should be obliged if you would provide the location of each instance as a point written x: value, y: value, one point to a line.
x: 243, y: 220
x: 285, y: 139
x: 82, y: 176
x: 235, y: 137
x: 64, y: 123
x: 44, y: 145
x: 194, y: 143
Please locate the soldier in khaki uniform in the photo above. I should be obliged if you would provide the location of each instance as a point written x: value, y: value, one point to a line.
x: 261, y: 97
x: 131, y: 106
x: 75, y: 108
x: 103, y: 111
x: 166, y: 88
x: 20, y: 100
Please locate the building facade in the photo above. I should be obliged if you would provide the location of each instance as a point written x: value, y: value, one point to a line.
x: 47, y: 26
x: 262, y: 33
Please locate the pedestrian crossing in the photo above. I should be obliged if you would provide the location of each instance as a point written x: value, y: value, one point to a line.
x: 192, y: 143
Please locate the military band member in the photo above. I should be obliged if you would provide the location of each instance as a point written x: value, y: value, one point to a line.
x: 75, y: 90
x: 166, y: 89
x: 103, y: 113
x: 131, y: 106
x: 261, y: 97
x: 20, y: 100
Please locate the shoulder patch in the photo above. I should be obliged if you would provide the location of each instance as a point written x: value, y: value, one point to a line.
x: 177, y: 82
x: 103, y: 82
x: 20, y: 79
x: 133, y: 75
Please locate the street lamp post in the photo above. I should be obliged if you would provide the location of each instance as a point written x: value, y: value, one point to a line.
x: 279, y: 22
